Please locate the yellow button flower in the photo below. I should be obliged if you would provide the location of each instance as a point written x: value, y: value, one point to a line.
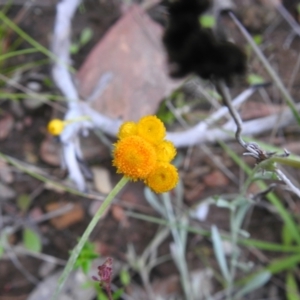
x: 56, y: 126
x: 141, y: 153
x: 152, y: 129
x: 163, y: 178
x: 134, y: 157
x: 165, y: 151
x: 127, y: 129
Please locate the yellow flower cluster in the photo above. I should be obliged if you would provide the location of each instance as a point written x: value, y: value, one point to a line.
x: 141, y: 153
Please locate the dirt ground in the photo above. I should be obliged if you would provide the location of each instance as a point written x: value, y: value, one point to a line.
x: 23, y: 136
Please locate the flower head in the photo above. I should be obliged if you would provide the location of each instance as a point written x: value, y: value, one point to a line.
x: 163, y: 178
x: 141, y: 153
x: 152, y: 129
x: 165, y: 151
x: 127, y: 129
x: 134, y: 157
x: 105, y: 271
x: 105, y: 275
x: 56, y: 126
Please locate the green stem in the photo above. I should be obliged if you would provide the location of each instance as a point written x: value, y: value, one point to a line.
x: 286, y: 161
x: 18, y: 52
x: 78, y: 119
x: 76, y: 251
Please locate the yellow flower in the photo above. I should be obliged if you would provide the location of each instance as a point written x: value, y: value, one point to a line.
x: 141, y: 153
x: 127, y: 129
x: 134, y: 157
x: 56, y: 126
x: 152, y: 129
x: 163, y: 178
x: 165, y: 151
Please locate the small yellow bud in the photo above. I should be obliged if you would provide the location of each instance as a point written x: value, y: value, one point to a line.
x: 56, y: 126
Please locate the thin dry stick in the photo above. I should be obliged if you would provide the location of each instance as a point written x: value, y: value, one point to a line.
x: 30, y: 93
x: 284, y: 92
x: 292, y: 187
x: 14, y: 259
x: 287, y: 16
x: 41, y: 256
x: 294, y: 73
x: 253, y: 149
x: 235, y: 115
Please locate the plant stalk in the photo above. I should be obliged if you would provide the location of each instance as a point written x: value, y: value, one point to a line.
x: 76, y: 251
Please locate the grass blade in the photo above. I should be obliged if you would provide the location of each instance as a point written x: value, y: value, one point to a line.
x: 291, y: 286
x: 256, y: 282
x: 219, y: 252
x: 262, y: 245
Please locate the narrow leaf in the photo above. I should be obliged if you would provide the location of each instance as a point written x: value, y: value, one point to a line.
x: 286, y: 236
x: 23, y: 202
x: 275, y: 267
x: 292, y: 292
x: 256, y: 282
x: 1, y: 251
x: 281, y: 265
x: 86, y: 36
x: 275, y: 201
x: 125, y: 277
x: 207, y: 21
x: 154, y: 202
x: 31, y: 240
x: 219, y: 252
x: 255, y: 79
x: 239, y: 216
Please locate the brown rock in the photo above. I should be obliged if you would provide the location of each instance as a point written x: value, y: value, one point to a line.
x: 133, y: 53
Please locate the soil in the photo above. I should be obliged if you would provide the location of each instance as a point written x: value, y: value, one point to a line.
x: 115, y: 232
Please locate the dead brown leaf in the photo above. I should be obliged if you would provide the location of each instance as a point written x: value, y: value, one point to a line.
x: 194, y: 193
x: 73, y: 216
x: 216, y: 179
